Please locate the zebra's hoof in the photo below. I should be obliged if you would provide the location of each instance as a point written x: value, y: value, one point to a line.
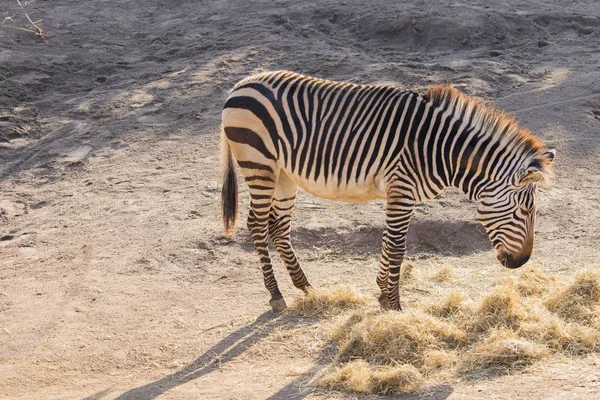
x: 384, y: 302
x: 307, y: 289
x: 278, y: 305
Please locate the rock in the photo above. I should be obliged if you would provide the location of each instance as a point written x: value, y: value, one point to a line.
x: 542, y: 43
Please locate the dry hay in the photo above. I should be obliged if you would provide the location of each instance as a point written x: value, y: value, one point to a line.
x: 502, y: 308
x: 453, y: 305
x: 398, y: 337
x: 522, y: 320
x: 534, y: 283
x: 407, y: 272
x: 444, y: 274
x: 323, y: 302
x: 580, y: 301
x: 343, y: 328
x: 361, y: 377
x: 437, y: 360
x: 500, y: 352
x: 567, y: 338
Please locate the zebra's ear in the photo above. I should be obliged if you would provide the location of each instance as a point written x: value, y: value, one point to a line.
x: 530, y: 175
x: 549, y: 155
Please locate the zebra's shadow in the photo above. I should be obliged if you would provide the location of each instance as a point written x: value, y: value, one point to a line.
x: 236, y: 343
x: 226, y: 350
x: 426, y: 238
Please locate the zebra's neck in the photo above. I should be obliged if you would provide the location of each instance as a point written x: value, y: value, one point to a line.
x: 467, y: 145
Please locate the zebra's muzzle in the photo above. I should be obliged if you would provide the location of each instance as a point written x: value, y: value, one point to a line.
x: 502, y: 256
x: 509, y: 261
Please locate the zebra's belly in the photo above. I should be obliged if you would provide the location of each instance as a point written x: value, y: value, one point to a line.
x: 370, y: 189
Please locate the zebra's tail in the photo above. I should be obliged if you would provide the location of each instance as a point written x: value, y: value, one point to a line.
x: 229, y: 191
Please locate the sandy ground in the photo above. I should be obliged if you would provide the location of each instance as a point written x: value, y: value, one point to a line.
x: 115, y: 279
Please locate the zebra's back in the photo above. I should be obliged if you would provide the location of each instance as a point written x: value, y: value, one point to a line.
x: 335, y: 140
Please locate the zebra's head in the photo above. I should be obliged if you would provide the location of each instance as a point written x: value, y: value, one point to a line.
x: 507, y: 211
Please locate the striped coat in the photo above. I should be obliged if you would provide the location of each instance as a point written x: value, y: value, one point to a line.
x: 351, y: 142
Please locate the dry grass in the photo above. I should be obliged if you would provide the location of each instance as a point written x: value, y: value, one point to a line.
x: 534, y: 283
x: 453, y: 305
x: 31, y: 26
x: 503, y: 308
x: 444, y: 274
x: 522, y: 320
x: 323, y: 302
x: 579, y: 301
x: 407, y: 272
x: 501, y: 351
x: 436, y: 360
x: 343, y: 328
x: 567, y: 338
x: 398, y: 337
x: 361, y: 377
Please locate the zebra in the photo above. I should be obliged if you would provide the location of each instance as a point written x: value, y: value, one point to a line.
x: 351, y: 142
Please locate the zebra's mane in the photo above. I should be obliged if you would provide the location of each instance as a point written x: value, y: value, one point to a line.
x: 493, y: 121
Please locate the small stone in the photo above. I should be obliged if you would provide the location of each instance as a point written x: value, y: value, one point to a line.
x: 542, y: 43
x: 101, y: 79
x: 495, y: 53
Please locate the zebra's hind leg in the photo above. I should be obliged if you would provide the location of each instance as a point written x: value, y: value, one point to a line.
x: 382, y: 276
x: 280, y: 219
x: 399, y: 209
x: 262, y: 187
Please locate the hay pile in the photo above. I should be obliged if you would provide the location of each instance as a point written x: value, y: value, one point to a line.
x: 400, y: 337
x: 579, y: 301
x: 518, y: 323
x: 502, y: 350
x: 361, y: 377
x: 444, y: 274
x: 323, y: 302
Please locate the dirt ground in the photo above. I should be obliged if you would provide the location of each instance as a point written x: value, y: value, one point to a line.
x: 115, y: 278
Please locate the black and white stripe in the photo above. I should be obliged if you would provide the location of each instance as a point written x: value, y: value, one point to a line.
x: 356, y: 143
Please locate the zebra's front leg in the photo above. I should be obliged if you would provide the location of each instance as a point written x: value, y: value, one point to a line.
x: 399, y: 209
